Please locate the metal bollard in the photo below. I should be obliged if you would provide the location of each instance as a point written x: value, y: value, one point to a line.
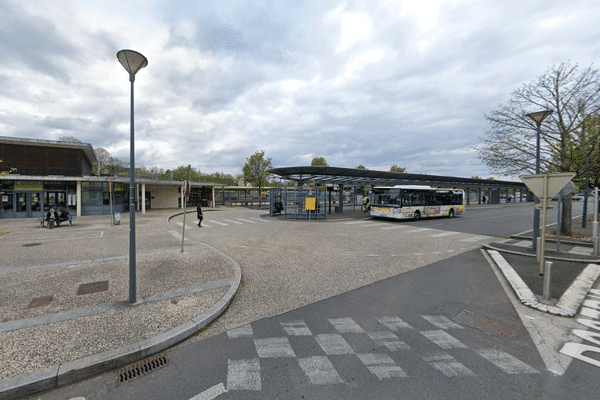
x: 547, y: 273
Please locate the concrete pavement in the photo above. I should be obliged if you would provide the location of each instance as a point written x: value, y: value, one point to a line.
x: 55, y: 332
x: 64, y: 297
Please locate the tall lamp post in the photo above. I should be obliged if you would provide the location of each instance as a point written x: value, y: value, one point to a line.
x: 538, y: 117
x: 132, y: 61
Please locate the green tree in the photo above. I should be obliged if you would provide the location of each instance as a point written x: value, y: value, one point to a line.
x: 319, y: 162
x: 361, y: 167
x: 8, y: 172
x: 395, y: 168
x: 510, y: 145
x: 255, y: 171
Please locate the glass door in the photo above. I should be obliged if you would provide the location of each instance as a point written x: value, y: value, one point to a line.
x: 7, y: 205
x: 28, y: 204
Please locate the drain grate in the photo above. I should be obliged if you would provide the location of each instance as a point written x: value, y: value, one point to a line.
x: 487, y: 324
x: 142, y: 368
x: 30, y: 244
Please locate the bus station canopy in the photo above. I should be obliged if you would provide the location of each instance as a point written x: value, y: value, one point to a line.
x: 353, y: 176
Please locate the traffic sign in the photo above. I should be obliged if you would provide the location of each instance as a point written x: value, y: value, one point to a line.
x: 545, y: 186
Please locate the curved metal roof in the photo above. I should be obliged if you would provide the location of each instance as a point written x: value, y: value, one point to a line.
x: 353, y: 176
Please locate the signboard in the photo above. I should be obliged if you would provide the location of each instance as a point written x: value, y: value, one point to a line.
x: 310, y: 204
x: 545, y: 186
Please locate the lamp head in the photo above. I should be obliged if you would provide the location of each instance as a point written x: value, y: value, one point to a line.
x: 132, y: 61
x: 539, y: 116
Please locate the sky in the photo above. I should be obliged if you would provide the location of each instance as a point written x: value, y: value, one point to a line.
x: 372, y: 83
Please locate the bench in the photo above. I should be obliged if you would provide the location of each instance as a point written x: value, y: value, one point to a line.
x: 69, y: 218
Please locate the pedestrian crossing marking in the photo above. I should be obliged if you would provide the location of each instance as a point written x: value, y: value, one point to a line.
x: 242, y: 331
x: 506, y: 362
x: 246, y: 220
x: 448, y: 365
x: 443, y: 339
x: 346, y: 325
x: 441, y: 322
x: 394, y: 323
x: 296, y: 328
x: 475, y: 238
x: 444, y: 234
x: 233, y: 222
x: 334, y: 344
x: 274, y: 347
x: 218, y: 223
x: 245, y: 374
x: 319, y: 370
x: 389, y: 340
x: 382, y: 366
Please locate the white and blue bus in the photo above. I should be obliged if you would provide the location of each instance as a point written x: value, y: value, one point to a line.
x: 406, y: 202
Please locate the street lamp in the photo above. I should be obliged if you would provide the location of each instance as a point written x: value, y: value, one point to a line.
x: 538, y: 117
x: 132, y: 61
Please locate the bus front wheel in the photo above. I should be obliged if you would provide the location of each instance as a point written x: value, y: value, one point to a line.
x: 451, y: 213
x: 416, y: 215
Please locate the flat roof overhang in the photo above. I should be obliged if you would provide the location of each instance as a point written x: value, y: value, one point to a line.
x: 353, y: 176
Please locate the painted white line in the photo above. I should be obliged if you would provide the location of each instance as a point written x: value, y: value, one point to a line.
x: 356, y: 222
x: 246, y: 220
x: 389, y: 340
x: 475, y: 239
x: 296, y: 328
x: 333, y: 344
x: 443, y: 339
x: 274, y: 347
x: 233, y: 222
x: 210, y: 394
x: 441, y: 322
x: 364, y: 226
x: 186, y: 225
x: 394, y: 227
x: 345, y: 325
x: 218, y: 223
x: 242, y: 331
x: 437, y: 235
x: 319, y: 370
x: 382, y: 366
x: 101, y: 233
x: 418, y: 230
x: 260, y: 219
x: 448, y: 365
x: 506, y: 362
x: 394, y: 323
x: 243, y: 374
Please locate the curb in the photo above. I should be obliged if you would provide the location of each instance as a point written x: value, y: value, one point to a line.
x: 73, y: 371
x: 490, y: 246
x: 569, y: 302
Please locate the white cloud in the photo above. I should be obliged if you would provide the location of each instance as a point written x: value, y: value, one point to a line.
x: 393, y: 82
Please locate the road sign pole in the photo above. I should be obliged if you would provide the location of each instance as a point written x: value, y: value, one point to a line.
x: 544, y: 201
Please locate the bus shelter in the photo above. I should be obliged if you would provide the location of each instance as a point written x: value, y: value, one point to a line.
x: 289, y: 201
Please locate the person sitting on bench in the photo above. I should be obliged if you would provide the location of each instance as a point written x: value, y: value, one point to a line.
x: 51, y: 218
x: 63, y: 215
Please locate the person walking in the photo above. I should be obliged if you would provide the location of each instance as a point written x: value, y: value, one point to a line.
x: 199, y: 214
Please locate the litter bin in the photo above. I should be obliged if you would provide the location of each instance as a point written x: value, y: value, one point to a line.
x: 117, y: 218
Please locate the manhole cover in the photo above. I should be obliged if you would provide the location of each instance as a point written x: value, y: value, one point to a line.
x: 30, y: 244
x: 40, y: 301
x: 487, y: 324
x: 94, y: 287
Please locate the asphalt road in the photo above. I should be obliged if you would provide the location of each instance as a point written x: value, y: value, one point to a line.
x: 357, y: 309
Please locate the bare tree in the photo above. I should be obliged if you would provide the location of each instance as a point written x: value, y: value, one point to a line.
x: 103, y: 157
x: 509, y: 147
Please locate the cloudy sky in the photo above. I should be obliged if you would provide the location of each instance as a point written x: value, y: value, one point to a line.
x: 376, y: 83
